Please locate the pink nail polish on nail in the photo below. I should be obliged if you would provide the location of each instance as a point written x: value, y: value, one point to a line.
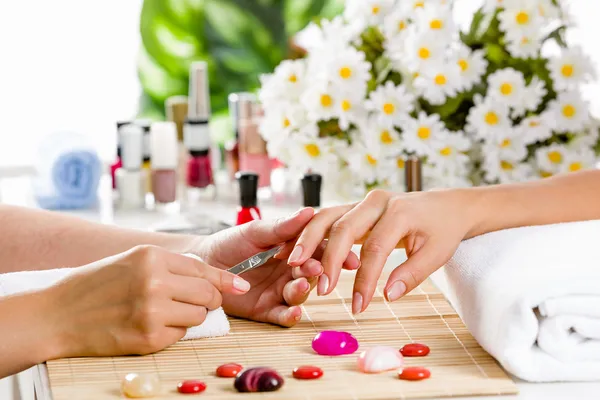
x: 323, y: 284
x: 296, y: 254
x: 357, y: 303
x: 240, y: 284
x: 396, y: 290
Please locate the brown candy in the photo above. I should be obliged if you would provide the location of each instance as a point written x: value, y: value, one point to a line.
x: 259, y: 379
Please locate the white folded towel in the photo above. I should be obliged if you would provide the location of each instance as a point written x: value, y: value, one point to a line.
x: 215, y: 324
x: 531, y: 298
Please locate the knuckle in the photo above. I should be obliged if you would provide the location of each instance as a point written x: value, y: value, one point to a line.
x: 397, y: 204
x: 413, y: 278
x: 341, y: 227
x: 376, y: 195
x: 215, y: 298
x: 150, y: 342
x: 373, y: 247
x: 146, y: 316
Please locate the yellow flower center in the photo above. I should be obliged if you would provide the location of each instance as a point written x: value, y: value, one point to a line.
x: 345, y: 72
x: 346, y: 105
x: 415, y: 75
x: 419, y: 4
x: 286, y: 123
x: 506, y: 89
x: 491, y: 118
x: 555, y: 157
x: 576, y: 166
x: 293, y: 78
x: 524, y: 40
x: 440, y: 79
x: 534, y: 124
x: 375, y: 10
x: 507, y: 166
x: 400, y: 163
x: 436, y: 24
x: 424, y: 133
x: 505, y: 143
x: 389, y: 108
x: 371, y: 160
x: 326, y: 100
x: 464, y: 64
x: 545, y: 174
x: 567, y: 70
x: 424, y: 53
x: 446, y: 151
x: 568, y: 111
x: 401, y: 25
x: 312, y: 150
x: 386, y: 137
x: 522, y: 18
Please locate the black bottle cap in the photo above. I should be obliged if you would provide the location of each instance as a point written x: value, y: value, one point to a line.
x: 311, y: 186
x: 248, y: 188
x: 199, y: 153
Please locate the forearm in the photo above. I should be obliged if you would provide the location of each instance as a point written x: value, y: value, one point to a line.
x: 35, y: 239
x: 564, y: 198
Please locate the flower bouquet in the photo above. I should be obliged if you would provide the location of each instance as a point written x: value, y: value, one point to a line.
x: 388, y: 79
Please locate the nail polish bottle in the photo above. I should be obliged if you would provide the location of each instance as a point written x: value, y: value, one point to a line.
x: 311, y: 188
x: 176, y: 110
x: 232, y: 155
x: 413, y: 173
x: 196, y: 136
x: 253, y: 148
x: 146, y: 156
x: 118, y: 162
x: 248, y: 209
x: 163, y: 150
x: 131, y: 177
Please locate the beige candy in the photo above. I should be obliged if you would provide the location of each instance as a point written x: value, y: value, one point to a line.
x: 140, y: 385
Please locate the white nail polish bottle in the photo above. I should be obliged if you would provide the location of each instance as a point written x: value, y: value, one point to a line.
x: 131, y: 177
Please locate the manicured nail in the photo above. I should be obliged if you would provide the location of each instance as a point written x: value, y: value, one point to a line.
x: 306, y: 287
x: 297, y: 317
x: 240, y: 284
x: 395, y: 291
x: 323, y: 285
x: 296, y: 254
x: 357, y: 303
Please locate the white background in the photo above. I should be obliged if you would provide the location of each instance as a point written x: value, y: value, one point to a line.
x: 71, y: 65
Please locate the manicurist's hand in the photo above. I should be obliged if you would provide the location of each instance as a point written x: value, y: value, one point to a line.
x: 277, y: 289
x: 136, y: 302
x: 429, y: 225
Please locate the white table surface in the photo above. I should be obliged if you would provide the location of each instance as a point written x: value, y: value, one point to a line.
x: 16, y: 190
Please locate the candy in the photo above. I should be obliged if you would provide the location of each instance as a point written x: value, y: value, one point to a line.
x: 140, y: 385
x: 414, y: 373
x: 307, y: 372
x: 379, y: 359
x: 259, y: 379
x: 414, y: 350
x: 334, y: 343
x: 191, y: 386
x: 229, y: 370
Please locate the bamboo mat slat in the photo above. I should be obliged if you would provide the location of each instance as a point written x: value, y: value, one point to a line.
x: 458, y: 365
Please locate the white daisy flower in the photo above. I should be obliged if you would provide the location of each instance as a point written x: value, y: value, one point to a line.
x: 525, y: 45
x: 284, y: 85
x: 532, y: 96
x: 505, y: 170
x: 534, y: 129
x: 320, y: 102
x: 551, y: 159
x: 587, y: 138
x: 329, y: 38
x: 398, y: 171
x: 449, y: 152
x: 371, y: 12
x: 349, y: 72
x: 548, y: 10
x: 386, y: 138
x: 392, y: 104
x: 488, y: 118
x: 278, y: 121
x: 395, y: 25
x: 436, y: 177
x: 506, y: 86
x: 369, y: 163
x: 490, y: 6
x: 421, y: 134
x: 421, y: 50
x: 472, y: 66
x: 518, y: 17
x: 509, y: 145
x: 439, y: 83
x: 436, y: 19
x: 583, y: 158
x: 572, y: 68
x: 570, y: 111
x: 312, y: 153
x: 349, y: 109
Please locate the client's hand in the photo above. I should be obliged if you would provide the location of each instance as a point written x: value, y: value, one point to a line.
x: 429, y: 225
x: 137, y: 302
x: 277, y: 289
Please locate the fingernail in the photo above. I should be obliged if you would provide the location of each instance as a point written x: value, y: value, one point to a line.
x: 323, y: 285
x: 294, y: 215
x: 296, y: 254
x: 357, y: 303
x: 240, y: 284
x: 306, y: 287
x: 395, y: 291
x: 297, y: 317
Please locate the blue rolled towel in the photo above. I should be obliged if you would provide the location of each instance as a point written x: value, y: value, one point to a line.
x: 71, y: 182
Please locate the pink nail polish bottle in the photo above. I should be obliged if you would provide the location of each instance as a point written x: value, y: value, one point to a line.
x: 163, y: 150
x: 196, y: 136
x: 253, y: 148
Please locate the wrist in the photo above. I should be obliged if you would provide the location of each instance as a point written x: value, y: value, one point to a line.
x: 478, y: 206
x: 55, y: 342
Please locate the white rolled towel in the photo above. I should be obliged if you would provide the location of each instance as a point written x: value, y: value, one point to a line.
x: 216, y: 322
x: 531, y: 298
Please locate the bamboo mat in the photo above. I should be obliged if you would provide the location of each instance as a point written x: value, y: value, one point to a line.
x: 458, y: 365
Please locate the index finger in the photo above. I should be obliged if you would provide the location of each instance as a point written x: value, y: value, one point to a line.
x: 192, y: 265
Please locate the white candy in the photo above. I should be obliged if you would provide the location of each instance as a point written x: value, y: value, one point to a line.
x: 140, y: 385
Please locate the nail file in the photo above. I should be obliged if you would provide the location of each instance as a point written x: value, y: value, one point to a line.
x: 255, y: 261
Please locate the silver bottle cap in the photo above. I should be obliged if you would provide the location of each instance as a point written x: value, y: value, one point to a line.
x: 131, y: 146
x: 199, y: 94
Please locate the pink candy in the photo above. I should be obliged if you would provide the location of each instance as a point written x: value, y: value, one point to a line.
x: 334, y: 343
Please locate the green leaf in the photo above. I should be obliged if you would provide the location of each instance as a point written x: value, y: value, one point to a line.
x: 448, y: 108
x: 495, y: 53
x: 558, y: 35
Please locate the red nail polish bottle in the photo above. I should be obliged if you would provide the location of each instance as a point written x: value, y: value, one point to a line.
x: 248, y: 209
x: 118, y: 163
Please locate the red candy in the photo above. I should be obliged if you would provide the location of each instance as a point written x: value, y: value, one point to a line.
x: 414, y: 373
x: 229, y: 370
x: 192, y: 386
x: 307, y: 372
x: 414, y: 350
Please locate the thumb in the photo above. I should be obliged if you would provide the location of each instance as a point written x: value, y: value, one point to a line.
x: 414, y: 271
x: 223, y: 281
x: 269, y: 233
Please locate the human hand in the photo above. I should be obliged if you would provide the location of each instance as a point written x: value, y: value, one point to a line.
x: 277, y: 289
x: 429, y: 225
x: 137, y: 302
